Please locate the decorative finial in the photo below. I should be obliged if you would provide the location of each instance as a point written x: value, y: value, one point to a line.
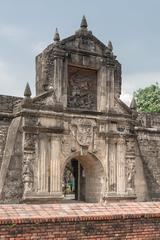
x: 110, y: 46
x: 56, y: 36
x: 133, y: 104
x: 27, y: 91
x: 84, y: 22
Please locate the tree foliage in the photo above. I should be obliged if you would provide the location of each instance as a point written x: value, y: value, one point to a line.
x: 148, y: 99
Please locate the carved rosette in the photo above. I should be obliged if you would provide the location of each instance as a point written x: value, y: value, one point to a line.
x: 28, y: 162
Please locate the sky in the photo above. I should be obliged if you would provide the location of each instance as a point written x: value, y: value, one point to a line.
x: 27, y: 27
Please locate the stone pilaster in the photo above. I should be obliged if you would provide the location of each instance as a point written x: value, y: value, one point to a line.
x: 110, y: 80
x: 43, y: 164
x: 55, y: 174
x: 112, y: 166
x: 102, y: 89
x: 65, y: 83
x: 121, y: 149
x: 58, y: 75
x: 107, y: 164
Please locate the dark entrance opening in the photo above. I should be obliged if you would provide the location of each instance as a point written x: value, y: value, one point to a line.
x: 74, y: 181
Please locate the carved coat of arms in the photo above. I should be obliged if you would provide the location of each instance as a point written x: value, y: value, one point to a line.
x: 83, y: 132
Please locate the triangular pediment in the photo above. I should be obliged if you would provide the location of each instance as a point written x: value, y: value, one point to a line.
x: 80, y: 42
x: 87, y: 43
x: 121, y: 108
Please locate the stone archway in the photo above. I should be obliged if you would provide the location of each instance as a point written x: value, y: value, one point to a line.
x: 93, y: 173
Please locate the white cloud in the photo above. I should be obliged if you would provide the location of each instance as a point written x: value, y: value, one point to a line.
x: 133, y: 82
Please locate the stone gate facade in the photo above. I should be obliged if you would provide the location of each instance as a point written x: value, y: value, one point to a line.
x: 77, y: 114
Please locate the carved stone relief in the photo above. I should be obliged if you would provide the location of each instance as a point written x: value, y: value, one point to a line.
x: 29, y: 141
x: 27, y: 174
x: 130, y: 164
x: 130, y: 174
x: 130, y: 146
x: 83, y: 133
x: 66, y: 146
x: 28, y: 162
x: 82, y: 88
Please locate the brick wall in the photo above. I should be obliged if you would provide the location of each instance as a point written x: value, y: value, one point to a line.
x: 81, y: 221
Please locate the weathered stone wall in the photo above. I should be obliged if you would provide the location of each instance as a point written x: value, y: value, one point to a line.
x: 10, y: 159
x: 7, y: 103
x: 13, y: 188
x: 141, y: 187
x: 4, y: 124
x: 148, y: 137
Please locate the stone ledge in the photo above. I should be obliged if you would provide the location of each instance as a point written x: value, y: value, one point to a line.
x: 23, y: 213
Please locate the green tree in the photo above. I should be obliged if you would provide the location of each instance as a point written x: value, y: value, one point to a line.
x: 148, y: 99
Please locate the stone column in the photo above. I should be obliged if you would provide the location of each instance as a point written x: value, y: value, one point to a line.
x: 43, y: 165
x: 58, y: 75
x: 55, y: 174
x: 65, y: 83
x: 112, y: 166
x: 121, y: 181
x: 101, y: 89
x: 110, y: 88
x: 107, y: 164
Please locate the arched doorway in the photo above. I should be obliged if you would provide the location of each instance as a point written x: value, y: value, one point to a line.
x: 74, y: 181
x: 83, y: 178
